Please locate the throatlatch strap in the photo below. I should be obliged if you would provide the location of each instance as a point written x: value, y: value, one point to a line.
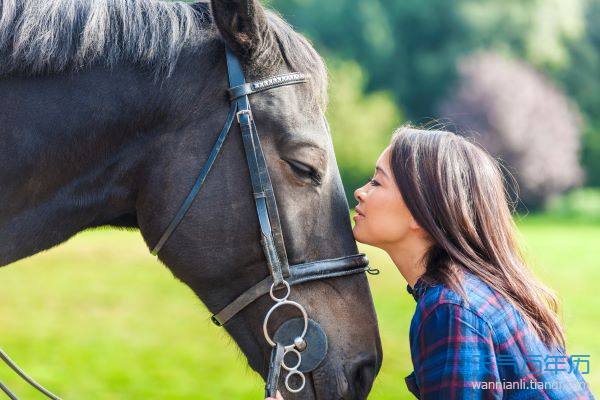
x: 7, y: 392
x: 199, y: 181
x: 4, y: 357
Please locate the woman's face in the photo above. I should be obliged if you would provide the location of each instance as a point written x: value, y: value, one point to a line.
x: 382, y: 218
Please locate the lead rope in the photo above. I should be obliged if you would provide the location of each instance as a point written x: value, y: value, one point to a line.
x: 25, y: 377
x: 8, y: 392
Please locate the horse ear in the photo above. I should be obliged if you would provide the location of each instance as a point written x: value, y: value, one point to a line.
x: 243, y: 26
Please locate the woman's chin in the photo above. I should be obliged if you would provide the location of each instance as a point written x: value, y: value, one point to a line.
x: 357, y: 235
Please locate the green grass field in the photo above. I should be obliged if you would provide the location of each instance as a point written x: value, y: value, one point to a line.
x: 100, y: 318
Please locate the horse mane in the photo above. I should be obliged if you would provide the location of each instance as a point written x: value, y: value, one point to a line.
x: 52, y: 36
x: 55, y: 36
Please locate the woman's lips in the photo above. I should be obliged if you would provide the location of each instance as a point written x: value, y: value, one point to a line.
x: 359, y: 215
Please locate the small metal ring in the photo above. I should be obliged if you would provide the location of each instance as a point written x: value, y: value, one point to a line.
x: 295, y: 367
x: 287, y: 381
x: 275, y: 306
x: 275, y: 298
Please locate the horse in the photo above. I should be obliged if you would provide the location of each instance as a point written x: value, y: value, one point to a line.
x: 109, y: 108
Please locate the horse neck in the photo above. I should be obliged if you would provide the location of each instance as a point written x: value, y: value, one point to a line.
x: 73, y: 149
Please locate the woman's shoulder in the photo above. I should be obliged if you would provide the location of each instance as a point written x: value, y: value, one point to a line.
x: 476, y: 302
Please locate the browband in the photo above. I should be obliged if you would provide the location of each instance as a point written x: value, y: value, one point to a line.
x: 245, y: 89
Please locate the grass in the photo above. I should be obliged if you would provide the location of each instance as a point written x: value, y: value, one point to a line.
x: 99, y: 318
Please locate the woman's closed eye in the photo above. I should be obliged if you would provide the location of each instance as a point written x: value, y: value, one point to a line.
x: 374, y: 182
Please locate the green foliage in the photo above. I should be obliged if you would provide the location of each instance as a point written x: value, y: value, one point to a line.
x: 361, y: 125
x: 534, y: 29
x: 410, y: 47
x: 590, y: 157
x: 581, y: 79
x: 582, y: 204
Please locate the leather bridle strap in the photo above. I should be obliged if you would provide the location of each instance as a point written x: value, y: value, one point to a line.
x: 264, y: 198
x: 299, y: 273
x: 238, y: 88
x: 246, y: 89
x: 198, y: 183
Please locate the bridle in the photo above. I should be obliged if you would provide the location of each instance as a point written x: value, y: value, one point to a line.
x: 282, y: 275
x: 299, y: 336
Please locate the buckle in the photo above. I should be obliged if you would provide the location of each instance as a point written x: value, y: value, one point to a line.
x: 247, y: 112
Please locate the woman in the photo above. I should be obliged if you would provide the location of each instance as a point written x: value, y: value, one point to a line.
x: 484, y: 327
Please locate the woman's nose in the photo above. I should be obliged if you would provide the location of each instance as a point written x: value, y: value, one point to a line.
x: 359, y: 193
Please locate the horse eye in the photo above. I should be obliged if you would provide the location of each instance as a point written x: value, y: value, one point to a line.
x: 304, y: 170
x: 300, y: 168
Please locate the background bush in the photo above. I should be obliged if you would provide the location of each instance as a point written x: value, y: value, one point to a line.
x: 360, y: 123
x: 522, y: 118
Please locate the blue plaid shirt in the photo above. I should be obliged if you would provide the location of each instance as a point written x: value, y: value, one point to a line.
x: 483, y: 349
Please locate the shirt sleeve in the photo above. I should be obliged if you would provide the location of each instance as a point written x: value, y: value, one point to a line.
x: 455, y: 357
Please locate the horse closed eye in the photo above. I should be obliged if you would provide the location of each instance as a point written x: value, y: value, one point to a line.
x: 304, y: 171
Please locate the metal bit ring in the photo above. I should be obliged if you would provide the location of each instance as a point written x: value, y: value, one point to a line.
x: 277, y: 305
x: 295, y: 367
x: 287, y: 381
x: 275, y: 298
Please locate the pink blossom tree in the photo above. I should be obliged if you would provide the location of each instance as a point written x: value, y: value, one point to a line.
x: 521, y: 118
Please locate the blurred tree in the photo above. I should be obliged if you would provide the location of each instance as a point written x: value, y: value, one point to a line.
x: 407, y: 47
x: 581, y: 79
x: 361, y: 125
x: 521, y: 117
x: 410, y: 47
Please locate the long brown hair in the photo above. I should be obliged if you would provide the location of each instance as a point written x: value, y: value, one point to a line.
x: 455, y: 191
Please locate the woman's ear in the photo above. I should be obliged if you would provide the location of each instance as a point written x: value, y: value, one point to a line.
x: 244, y: 27
x: 414, y: 225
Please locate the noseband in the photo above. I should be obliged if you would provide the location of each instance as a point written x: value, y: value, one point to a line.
x: 299, y: 336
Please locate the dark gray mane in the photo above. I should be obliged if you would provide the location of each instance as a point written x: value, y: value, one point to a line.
x: 53, y: 36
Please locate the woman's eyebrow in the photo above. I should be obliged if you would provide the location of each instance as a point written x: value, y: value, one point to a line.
x: 377, y: 168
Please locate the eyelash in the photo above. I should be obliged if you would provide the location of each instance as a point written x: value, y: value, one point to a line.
x: 306, y: 171
x: 373, y: 182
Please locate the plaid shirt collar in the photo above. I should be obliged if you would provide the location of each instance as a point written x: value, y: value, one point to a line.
x: 419, y: 288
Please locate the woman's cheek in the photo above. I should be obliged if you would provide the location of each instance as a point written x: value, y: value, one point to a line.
x: 391, y: 227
